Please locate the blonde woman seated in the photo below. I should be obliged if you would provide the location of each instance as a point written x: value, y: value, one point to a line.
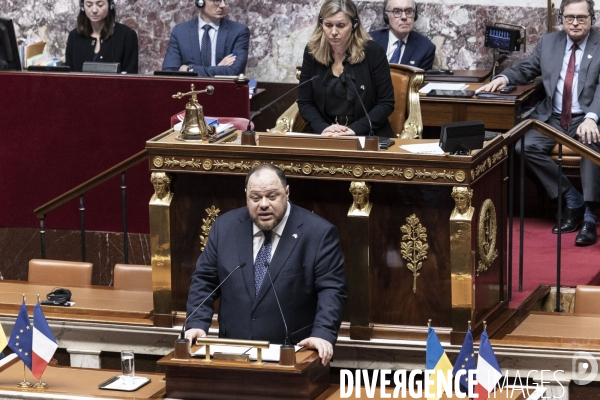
x: 341, y: 53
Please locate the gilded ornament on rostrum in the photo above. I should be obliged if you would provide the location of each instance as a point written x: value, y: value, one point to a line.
x: 158, y: 161
x: 413, y: 247
x: 487, y: 231
x: 207, y: 223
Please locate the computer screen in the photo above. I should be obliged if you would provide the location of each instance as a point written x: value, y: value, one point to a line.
x: 9, y: 50
x: 502, y: 38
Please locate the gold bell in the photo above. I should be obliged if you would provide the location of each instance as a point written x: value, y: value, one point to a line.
x: 194, y: 126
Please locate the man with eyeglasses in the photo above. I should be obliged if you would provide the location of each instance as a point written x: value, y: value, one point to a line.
x: 402, y: 44
x: 210, y: 44
x: 569, y: 63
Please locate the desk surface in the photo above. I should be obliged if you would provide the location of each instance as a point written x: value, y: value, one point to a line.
x: 562, y: 330
x: 334, y: 393
x: 502, y: 114
x: 75, y: 383
x: 92, y: 303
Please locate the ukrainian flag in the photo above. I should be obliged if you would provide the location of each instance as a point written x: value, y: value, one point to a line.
x: 436, y: 359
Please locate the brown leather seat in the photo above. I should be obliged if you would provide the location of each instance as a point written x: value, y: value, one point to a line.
x: 406, y: 121
x: 587, y: 299
x: 571, y: 160
x: 60, y: 273
x: 137, y: 278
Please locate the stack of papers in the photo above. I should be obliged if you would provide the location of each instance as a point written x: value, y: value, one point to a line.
x: 443, y: 86
x: 425, y: 148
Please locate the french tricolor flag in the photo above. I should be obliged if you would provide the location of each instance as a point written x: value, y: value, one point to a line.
x: 44, y: 345
x: 488, y: 370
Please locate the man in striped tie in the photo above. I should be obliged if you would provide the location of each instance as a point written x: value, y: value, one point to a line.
x: 302, y: 254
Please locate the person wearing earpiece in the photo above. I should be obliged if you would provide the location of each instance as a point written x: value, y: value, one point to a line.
x: 346, y: 63
x: 99, y: 38
x: 210, y: 44
x: 402, y: 44
x: 569, y: 63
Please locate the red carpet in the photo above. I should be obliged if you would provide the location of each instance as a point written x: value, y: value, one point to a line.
x: 579, y: 265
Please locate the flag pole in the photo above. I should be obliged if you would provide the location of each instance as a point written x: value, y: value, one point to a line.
x: 40, y: 384
x: 24, y: 383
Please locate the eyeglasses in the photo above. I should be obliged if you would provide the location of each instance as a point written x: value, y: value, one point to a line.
x: 397, y: 12
x: 218, y: 2
x: 580, y: 18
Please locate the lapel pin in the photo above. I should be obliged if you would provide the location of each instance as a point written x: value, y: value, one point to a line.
x: 362, y: 87
x: 412, y: 62
x: 589, y: 56
x: 295, y: 235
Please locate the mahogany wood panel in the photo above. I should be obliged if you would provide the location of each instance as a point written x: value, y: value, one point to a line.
x: 197, y: 379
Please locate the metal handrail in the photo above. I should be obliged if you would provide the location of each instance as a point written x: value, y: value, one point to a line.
x: 90, y: 184
x: 518, y: 133
x: 79, y: 191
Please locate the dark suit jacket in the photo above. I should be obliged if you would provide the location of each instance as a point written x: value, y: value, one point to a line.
x: 121, y: 47
x: 546, y: 61
x: 419, y: 51
x: 372, y: 80
x: 184, y: 48
x: 308, y: 273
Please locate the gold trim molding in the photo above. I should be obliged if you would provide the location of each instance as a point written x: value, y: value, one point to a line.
x: 487, y: 231
x: 356, y: 171
x: 413, y: 246
x: 208, y: 222
x: 488, y: 162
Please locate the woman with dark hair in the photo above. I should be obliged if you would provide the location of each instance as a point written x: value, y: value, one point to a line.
x: 341, y: 53
x: 99, y: 38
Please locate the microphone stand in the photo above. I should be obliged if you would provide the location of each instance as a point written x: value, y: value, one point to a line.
x: 182, y: 344
x: 287, y: 352
x: 248, y: 136
x: 371, y: 141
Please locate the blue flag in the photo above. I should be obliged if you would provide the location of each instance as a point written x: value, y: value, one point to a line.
x: 21, y: 337
x: 465, y: 361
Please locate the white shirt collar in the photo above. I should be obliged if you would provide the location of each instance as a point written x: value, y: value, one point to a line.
x: 393, y: 39
x: 201, y: 24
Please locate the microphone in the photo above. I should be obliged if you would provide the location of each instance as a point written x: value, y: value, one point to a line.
x: 287, y: 353
x: 349, y: 80
x: 249, y: 128
x: 182, y: 337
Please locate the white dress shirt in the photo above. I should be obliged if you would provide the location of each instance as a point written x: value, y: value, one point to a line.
x: 393, y: 43
x: 213, y: 38
x: 558, y: 94
x: 258, y: 236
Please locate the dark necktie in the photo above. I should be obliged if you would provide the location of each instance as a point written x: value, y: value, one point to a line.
x: 567, y: 95
x: 396, y: 56
x: 264, y: 255
x: 206, y: 47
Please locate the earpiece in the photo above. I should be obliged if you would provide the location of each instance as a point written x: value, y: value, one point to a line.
x: 199, y: 3
x: 59, y: 295
x: 386, y: 18
x: 355, y: 22
x: 590, y: 5
x: 111, y: 6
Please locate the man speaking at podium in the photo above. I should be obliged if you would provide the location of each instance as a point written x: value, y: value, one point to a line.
x: 304, y: 258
